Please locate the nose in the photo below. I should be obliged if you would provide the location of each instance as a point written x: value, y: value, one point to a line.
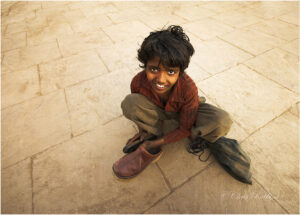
x: 161, y: 77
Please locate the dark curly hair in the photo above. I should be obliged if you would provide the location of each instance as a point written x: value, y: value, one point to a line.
x: 171, y: 45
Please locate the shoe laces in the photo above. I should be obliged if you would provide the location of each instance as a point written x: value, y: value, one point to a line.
x: 197, y: 148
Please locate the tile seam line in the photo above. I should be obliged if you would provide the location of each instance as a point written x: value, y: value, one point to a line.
x: 270, y: 34
x: 103, y: 124
x: 33, y: 156
x: 289, y: 51
x: 32, y: 184
x: 219, y: 106
x: 267, y: 123
x: 74, y: 84
x: 109, y: 121
x: 275, y: 200
x: 295, y: 25
x: 164, y: 176
x: 31, y: 98
x: 179, y: 186
x: 40, y: 80
x: 102, y: 29
x: 270, y: 79
x: 219, y: 37
x: 99, y: 56
x: 19, y: 103
x: 69, y: 113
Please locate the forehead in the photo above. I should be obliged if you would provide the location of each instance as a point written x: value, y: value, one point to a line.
x: 155, y: 62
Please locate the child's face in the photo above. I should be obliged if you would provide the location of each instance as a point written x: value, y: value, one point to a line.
x: 161, y: 78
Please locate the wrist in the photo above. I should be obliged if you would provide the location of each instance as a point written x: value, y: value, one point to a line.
x: 160, y: 141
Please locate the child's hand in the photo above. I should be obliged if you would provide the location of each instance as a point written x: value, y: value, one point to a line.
x: 153, y: 144
x: 141, y: 135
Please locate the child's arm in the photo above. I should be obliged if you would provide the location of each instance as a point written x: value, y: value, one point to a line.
x: 187, y: 117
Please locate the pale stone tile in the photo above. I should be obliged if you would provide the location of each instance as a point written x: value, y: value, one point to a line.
x: 51, y: 11
x: 90, y: 24
x: 90, y: 10
x: 292, y: 47
x: 292, y: 18
x: 237, y: 133
x: 176, y: 158
x: 47, y: 4
x: 15, y: 28
x: 119, y: 55
x: 220, y: 7
x: 97, y: 101
x: 250, y: 99
x: 29, y: 56
x: 268, y: 10
x: 33, y: 126
x: 18, y: 17
x: 196, y: 72
x: 83, y: 4
x: 278, y: 65
x: 214, y: 191
x: 3, y: 30
x: 128, y: 5
x: 66, y: 16
x: 277, y: 28
x: 23, y: 7
x: 274, y: 150
x: 236, y: 19
x: 125, y: 15
x: 13, y: 41
x: 76, y: 43
x: 5, y: 69
x: 75, y: 5
x: 215, y: 55
x: 295, y: 109
x: 166, y: 10
x: 161, y: 20
x: 67, y: 71
x: 77, y: 177
x: 192, y: 13
x: 19, y: 86
x: 36, y: 24
x: 252, y: 41
x: 6, y: 5
x: 16, y: 189
x: 207, y: 28
x: 127, y: 31
x: 49, y: 34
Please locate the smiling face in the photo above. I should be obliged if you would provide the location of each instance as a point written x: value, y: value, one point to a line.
x: 161, y: 78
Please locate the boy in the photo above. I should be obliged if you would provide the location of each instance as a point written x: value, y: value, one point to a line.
x: 163, y: 91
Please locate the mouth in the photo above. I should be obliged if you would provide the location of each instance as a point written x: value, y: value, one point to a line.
x: 160, y: 86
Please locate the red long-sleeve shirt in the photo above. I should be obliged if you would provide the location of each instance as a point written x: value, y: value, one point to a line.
x: 183, y: 100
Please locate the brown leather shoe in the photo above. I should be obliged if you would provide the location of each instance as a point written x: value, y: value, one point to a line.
x: 134, y: 163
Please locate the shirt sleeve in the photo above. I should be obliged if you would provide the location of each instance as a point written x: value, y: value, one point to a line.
x: 187, y: 117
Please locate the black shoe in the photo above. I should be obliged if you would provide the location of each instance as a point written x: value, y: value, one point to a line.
x: 198, y: 146
x: 135, y: 144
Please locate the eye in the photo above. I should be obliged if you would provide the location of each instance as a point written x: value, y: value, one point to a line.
x: 153, y: 69
x: 171, y: 72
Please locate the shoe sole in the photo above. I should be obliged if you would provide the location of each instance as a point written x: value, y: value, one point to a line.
x: 131, y: 177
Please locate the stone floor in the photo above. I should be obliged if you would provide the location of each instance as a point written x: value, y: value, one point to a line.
x: 66, y: 66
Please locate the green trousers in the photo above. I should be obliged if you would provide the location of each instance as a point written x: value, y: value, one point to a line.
x: 211, y: 123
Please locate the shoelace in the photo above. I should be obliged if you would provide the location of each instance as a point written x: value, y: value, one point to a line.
x: 197, y: 148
